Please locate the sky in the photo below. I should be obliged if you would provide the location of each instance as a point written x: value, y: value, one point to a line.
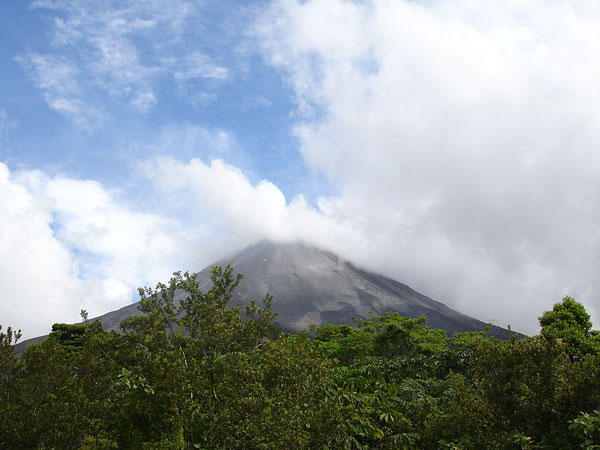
x: 451, y: 145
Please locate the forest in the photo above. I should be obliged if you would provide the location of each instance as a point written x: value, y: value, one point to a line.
x: 198, y: 374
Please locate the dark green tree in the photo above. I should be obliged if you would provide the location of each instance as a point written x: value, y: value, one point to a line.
x: 569, y: 321
x: 10, y: 370
x: 186, y: 339
x: 192, y: 373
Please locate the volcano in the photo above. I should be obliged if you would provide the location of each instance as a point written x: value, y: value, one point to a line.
x: 313, y: 286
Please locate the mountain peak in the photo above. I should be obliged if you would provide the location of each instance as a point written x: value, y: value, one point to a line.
x: 314, y: 286
x: 310, y: 285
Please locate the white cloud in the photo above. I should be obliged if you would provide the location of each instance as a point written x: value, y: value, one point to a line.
x: 462, y: 137
x: 57, y: 78
x: 40, y: 283
x: 143, y: 101
x: 186, y: 140
x: 234, y: 212
x: 6, y: 124
x: 74, y: 244
x: 69, y: 244
x: 201, y: 99
x: 133, y: 246
x: 197, y: 65
x: 115, y: 64
x: 255, y: 101
x: 87, y: 249
x: 125, y: 50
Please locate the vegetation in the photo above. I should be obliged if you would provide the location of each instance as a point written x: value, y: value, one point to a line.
x: 190, y: 373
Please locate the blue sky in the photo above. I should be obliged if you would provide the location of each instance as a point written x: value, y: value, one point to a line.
x: 198, y: 68
x: 450, y: 145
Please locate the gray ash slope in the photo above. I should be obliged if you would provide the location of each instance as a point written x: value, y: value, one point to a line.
x: 312, y: 286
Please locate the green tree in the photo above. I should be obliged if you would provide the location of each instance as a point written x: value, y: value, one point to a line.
x: 569, y: 321
x: 586, y: 430
x: 192, y: 373
x: 10, y: 371
x: 9, y: 363
x: 186, y: 340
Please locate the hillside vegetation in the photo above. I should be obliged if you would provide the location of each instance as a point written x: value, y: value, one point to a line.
x: 196, y: 375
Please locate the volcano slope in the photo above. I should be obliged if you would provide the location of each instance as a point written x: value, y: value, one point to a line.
x: 313, y: 286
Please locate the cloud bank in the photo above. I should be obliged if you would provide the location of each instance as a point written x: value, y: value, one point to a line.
x: 72, y: 245
x: 462, y: 137
x: 38, y: 273
x: 459, y: 140
x: 75, y: 244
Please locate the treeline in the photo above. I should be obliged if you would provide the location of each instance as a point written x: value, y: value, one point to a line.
x: 194, y: 375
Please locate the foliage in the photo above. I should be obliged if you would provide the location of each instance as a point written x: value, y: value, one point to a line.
x: 10, y: 370
x: 586, y: 429
x: 192, y: 373
x: 569, y: 322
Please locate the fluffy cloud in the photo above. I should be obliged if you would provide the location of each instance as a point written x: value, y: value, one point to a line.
x: 236, y: 212
x: 40, y: 282
x: 459, y: 139
x: 75, y: 244
x: 462, y: 138
x: 72, y: 245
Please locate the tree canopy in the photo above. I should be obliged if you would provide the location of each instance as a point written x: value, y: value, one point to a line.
x: 193, y: 373
x: 569, y: 321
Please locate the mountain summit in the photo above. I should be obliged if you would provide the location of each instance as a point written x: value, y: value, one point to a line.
x: 313, y: 286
